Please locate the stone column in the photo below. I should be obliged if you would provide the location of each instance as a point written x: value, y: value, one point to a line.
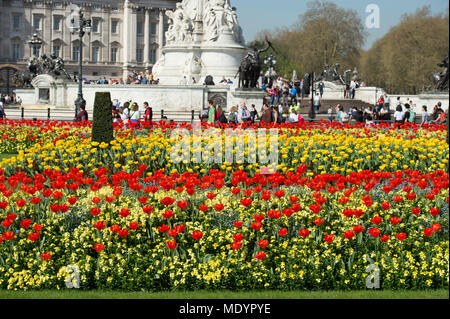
x: 161, y: 32
x: 147, y: 38
x: 132, y: 38
x: 125, y: 42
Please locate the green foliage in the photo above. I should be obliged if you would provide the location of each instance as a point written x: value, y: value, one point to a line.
x: 324, y: 34
x: 102, y: 127
x: 404, y: 59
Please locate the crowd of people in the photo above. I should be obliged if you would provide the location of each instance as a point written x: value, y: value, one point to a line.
x: 135, y: 78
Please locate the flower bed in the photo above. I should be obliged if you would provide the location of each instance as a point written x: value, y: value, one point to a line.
x: 79, y: 215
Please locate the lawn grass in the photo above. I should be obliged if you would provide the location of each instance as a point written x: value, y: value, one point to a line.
x: 104, y: 294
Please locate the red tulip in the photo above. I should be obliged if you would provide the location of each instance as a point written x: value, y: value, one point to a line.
x: 263, y: 243
x: 236, y: 245
x: 219, y: 207
x: 143, y: 199
x: 238, y: 224
x: 377, y: 220
x: 344, y: 200
x: 46, y: 256
x: 100, y: 225
x: 318, y: 221
x: 288, y: 212
x: 329, y: 238
x: 147, y: 209
x: 384, y: 238
x: 358, y: 229
x: 36, y: 200
x: 428, y: 232
x: 96, y: 200
x: 98, y: 247
x: 115, y: 228
x: 33, y: 236
x: 397, y: 199
x: 261, y: 255
x: 436, y: 227
x: 386, y: 205
x: 6, y: 223
x: 275, y: 214
x: 8, y: 235
x: 256, y: 226
x: 47, y: 192
x: 123, y: 232
x: 296, y: 207
x: 133, y: 225
x: 395, y: 220
x: 3, y: 204
x: 279, y: 193
x: 95, y: 211
x: 246, y: 202
x: 235, y: 191
x: 434, y: 212
x: 173, y: 233
x: 204, y: 208
x: 315, y: 208
x: 304, y: 232
x: 375, y: 232
x: 166, y: 201
x: 197, y: 235
x: 171, y: 244
x: 211, y: 196
x: 349, y: 234
x: 124, y: 212
x: 293, y: 199
x: 238, y: 237
x: 401, y: 236
x: 167, y: 214
x: 182, y: 204
x: 180, y: 228
x: 164, y: 228
x: 109, y: 199
x: 282, y: 232
x: 416, y: 211
x: 259, y: 218
x: 25, y: 223
x: 411, y: 196
x: 37, y: 228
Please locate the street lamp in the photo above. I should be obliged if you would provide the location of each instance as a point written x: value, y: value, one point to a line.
x: 270, y: 61
x: 312, y: 111
x: 81, y: 27
x: 35, y: 44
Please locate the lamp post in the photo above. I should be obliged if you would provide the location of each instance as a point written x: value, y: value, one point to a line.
x: 81, y: 27
x: 312, y: 111
x: 270, y: 61
x: 35, y: 44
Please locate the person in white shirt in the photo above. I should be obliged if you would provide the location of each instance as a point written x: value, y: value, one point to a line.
x: 399, y: 115
x: 293, y: 117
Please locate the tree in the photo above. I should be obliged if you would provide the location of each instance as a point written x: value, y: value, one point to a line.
x: 404, y: 59
x: 324, y: 34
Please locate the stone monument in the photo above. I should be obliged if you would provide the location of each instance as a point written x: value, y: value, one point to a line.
x: 204, y: 39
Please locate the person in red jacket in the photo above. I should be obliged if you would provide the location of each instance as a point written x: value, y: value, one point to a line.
x: 148, y: 116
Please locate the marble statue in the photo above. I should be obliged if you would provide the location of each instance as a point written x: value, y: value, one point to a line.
x: 181, y: 27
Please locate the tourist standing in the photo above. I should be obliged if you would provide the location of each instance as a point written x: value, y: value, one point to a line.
x: 410, y: 115
x: 211, y: 112
x: 115, y: 114
x: 233, y: 114
x: 399, y: 115
x: 221, y: 118
x: 424, y: 116
x: 2, y: 112
x: 253, y: 113
x: 83, y: 115
x: 330, y: 114
x: 321, y: 87
x: 316, y: 102
x: 148, y: 115
x: 135, y: 114
x: 266, y: 114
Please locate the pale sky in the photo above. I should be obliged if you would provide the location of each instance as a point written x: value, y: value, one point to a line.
x: 257, y: 15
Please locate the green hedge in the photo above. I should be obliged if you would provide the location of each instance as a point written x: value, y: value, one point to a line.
x: 102, y: 127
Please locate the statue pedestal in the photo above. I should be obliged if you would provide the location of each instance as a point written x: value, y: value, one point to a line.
x: 249, y: 96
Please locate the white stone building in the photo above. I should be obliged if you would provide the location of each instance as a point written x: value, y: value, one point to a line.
x: 126, y: 35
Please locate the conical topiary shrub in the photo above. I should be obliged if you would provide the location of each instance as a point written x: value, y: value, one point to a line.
x: 102, y: 126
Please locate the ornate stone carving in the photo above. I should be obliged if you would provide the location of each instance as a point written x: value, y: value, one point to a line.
x: 181, y: 27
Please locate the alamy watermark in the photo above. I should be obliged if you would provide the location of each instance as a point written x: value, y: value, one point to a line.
x: 373, y: 19
x: 233, y: 146
x: 373, y: 279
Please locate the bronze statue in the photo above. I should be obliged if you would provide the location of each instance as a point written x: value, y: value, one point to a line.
x: 441, y: 78
x: 250, y: 68
x: 331, y: 74
x: 52, y: 65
